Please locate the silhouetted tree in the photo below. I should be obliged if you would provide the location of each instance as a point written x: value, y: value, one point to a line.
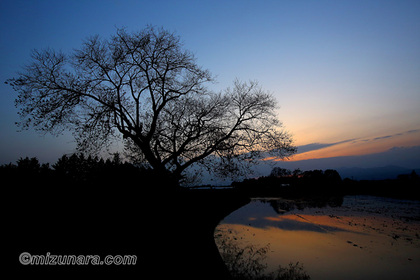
x: 148, y: 89
x: 314, y: 176
x: 72, y: 167
x: 280, y: 172
x: 78, y: 168
x: 332, y: 176
x: 29, y: 165
x: 297, y: 172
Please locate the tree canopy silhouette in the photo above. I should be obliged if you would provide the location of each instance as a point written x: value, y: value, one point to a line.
x: 146, y: 88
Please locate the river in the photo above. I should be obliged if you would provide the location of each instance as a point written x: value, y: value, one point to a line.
x: 359, y: 237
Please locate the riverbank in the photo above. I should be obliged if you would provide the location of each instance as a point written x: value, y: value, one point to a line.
x: 171, y: 234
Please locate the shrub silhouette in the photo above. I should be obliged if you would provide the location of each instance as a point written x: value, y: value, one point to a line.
x: 246, y: 262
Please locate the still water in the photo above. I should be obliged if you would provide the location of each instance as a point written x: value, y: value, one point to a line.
x: 361, y: 237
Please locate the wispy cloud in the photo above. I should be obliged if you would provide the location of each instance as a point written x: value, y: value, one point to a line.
x: 355, y: 146
x: 396, y: 134
x: 317, y: 146
x: 312, y: 147
x: 385, y: 137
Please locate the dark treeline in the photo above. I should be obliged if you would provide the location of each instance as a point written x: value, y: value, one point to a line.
x: 319, y: 183
x: 283, y: 182
x: 75, y: 170
x: 87, y: 205
x: 79, y: 170
x: 405, y: 186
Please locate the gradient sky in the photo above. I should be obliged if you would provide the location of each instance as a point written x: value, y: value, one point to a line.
x: 345, y: 73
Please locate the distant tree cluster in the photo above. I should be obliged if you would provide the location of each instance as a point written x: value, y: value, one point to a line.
x: 412, y: 177
x: 284, y: 182
x: 406, y: 186
x: 329, y: 175
x: 280, y: 172
x: 70, y: 170
x: 294, y: 183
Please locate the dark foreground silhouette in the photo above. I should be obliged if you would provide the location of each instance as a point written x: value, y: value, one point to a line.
x: 86, y: 206
x: 170, y: 231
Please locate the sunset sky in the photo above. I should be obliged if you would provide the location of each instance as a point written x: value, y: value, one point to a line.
x: 346, y: 74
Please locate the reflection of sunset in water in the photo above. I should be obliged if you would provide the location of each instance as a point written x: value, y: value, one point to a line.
x: 359, y: 240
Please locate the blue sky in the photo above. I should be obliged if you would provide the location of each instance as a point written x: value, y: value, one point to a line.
x: 340, y: 70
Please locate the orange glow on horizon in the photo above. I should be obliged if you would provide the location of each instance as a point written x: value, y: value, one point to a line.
x: 360, y: 146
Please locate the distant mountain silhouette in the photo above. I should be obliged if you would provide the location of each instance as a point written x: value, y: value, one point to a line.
x: 407, y: 157
x: 375, y: 173
x: 378, y: 166
x: 384, y: 165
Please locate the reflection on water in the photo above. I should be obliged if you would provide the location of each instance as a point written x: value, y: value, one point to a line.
x: 362, y: 237
x: 247, y: 261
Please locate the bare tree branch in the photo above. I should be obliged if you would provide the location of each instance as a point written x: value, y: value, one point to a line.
x: 146, y: 88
